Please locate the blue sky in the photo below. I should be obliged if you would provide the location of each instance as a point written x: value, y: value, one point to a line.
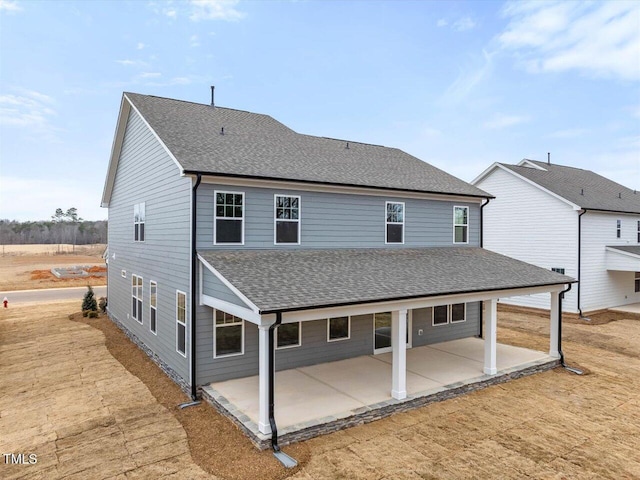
x: 458, y: 84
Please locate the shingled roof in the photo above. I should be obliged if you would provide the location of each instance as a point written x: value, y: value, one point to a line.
x: 581, y: 187
x: 281, y: 280
x: 257, y: 146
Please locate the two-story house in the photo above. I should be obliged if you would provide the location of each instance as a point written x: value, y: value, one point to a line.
x: 569, y: 220
x: 235, y: 242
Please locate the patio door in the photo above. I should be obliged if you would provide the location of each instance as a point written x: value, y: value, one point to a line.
x: 382, y: 332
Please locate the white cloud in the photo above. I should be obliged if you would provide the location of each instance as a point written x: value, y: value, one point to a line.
x: 569, y: 133
x: 598, y: 39
x: 469, y: 77
x: 9, y: 6
x: 442, y: 23
x: 132, y: 63
x: 30, y: 111
x: 140, y: 46
x: 215, y: 10
x: 193, y: 41
x: 465, y: 23
x: 150, y: 75
x: 501, y: 120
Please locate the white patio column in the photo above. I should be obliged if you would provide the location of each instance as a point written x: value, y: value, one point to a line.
x: 554, y: 313
x: 399, y: 355
x: 263, y: 379
x: 490, y: 335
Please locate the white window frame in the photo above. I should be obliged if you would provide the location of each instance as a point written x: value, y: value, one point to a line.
x: 329, y: 339
x: 215, y: 216
x: 618, y: 228
x: 433, y: 316
x: 377, y: 351
x: 184, y: 324
x: 460, y: 225
x: 386, y: 223
x: 464, y: 319
x: 299, y: 344
x: 215, y: 330
x: 276, y: 219
x: 558, y: 270
x: 141, y: 221
x: 153, y: 308
x: 139, y: 283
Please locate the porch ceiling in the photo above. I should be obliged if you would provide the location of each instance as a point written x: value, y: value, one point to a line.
x: 294, y: 279
x: 321, y: 393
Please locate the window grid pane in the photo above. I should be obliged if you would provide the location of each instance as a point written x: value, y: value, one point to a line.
x: 338, y: 328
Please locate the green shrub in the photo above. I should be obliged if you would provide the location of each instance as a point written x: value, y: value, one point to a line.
x: 89, y: 300
x: 93, y: 314
x: 85, y: 312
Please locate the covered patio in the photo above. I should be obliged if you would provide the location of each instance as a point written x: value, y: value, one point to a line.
x: 320, y: 398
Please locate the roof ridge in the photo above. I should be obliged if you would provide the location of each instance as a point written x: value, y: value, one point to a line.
x: 343, y: 140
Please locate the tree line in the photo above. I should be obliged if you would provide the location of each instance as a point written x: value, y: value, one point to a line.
x: 64, y: 227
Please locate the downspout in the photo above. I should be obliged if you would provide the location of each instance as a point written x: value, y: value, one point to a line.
x: 194, y: 297
x: 272, y: 371
x: 564, y: 365
x: 480, y: 332
x: 584, y: 210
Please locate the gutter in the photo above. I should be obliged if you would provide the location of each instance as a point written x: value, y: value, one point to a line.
x: 564, y: 365
x: 584, y: 210
x: 285, y: 459
x: 480, y: 333
x: 194, y: 265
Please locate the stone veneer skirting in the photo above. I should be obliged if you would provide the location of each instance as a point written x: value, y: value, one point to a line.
x: 297, y: 433
x: 170, y: 372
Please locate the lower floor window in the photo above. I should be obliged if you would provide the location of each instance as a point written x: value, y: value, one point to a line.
x: 181, y: 322
x: 228, y: 334
x: 288, y: 335
x: 458, y: 312
x: 637, y: 282
x: 444, y: 314
x: 338, y: 328
x: 440, y: 315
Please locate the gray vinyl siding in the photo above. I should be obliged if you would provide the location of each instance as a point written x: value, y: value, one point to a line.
x: 315, y: 348
x: 331, y: 220
x: 213, y: 287
x: 147, y: 174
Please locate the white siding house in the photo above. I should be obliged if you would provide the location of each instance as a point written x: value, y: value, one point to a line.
x: 566, y: 219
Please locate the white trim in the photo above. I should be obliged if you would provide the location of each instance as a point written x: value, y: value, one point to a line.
x: 123, y: 273
x: 386, y: 223
x: 399, y: 331
x: 200, y: 284
x: 466, y: 242
x: 490, y: 337
x: 238, y: 311
x: 184, y: 324
x: 152, y: 307
x: 525, y: 162
x: 621, y: 252
x: 409, y: 335
x: 433, y: 316
x: 215, y: 216
x: 409, y: 304
x: 340, y: 189
x: 299, y: 344
x: 215, y: 330
x: 530, y: 182
x: 228, y: 284
x: 348, y: 329
x: 298, y: 220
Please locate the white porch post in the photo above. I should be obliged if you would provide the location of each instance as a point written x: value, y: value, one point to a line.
x: 490, y: 335
x: 399, y: 355
x: 263, y: 379
x: 554, y: 323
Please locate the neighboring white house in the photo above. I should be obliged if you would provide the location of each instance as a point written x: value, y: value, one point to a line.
x: 569, y: 220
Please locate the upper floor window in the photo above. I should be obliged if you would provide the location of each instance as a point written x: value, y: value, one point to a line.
x: 153, y: 307
x: 618, y: 228
x: 287, y: 219
x: 558, y: 270
x: 228, y: 223
x: 181, y: 323
x: 136, y: 297
x: 460, y: 224
x: 394, y: 222
x: 228, y: 335
x: 138, y: 222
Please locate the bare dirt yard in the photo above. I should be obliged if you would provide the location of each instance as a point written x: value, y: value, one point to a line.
x: 89, y: 404
x: 26, y: 267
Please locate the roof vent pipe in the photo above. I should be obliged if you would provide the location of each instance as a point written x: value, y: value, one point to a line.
x: 212, y: 96
x: 222, y: 131
x: 582, y: 191
x: 620, y: 195
x: 548, y: 158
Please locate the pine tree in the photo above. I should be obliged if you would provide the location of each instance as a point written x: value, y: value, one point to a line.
x: 89, y: 301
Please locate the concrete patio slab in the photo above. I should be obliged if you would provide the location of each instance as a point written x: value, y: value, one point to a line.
x: 631, y: 308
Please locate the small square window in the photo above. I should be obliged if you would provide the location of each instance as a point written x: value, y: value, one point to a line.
x: 338, y: 328
x: 440, y: 315
x: 288, y: 335
x: 458, y: 312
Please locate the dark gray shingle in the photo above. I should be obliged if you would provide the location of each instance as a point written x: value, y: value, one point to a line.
x: 256, y: 145
x: 298, y: 279
x: 582, y: 187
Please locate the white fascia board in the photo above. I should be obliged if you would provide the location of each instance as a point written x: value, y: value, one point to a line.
x: 484, y: 173
x: 525, y: 162
x: 310, y: 187
x: 622, y: 252
x: 530, y: 182
x: 116, y: 148
x: 233, y: 309
x: 166, y: 149
x: 411, y: 304
x: 229, y: 285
